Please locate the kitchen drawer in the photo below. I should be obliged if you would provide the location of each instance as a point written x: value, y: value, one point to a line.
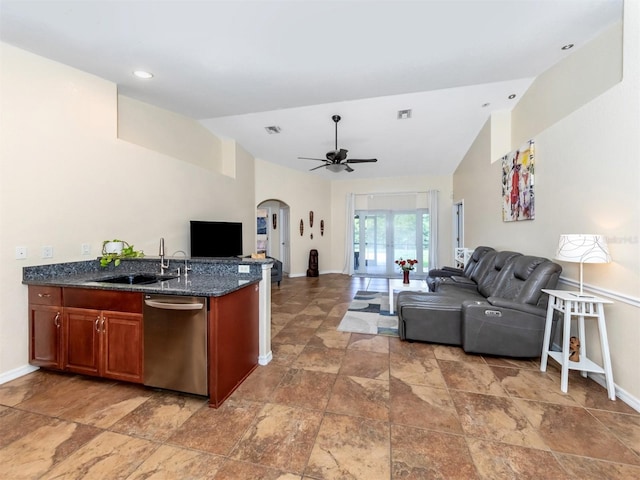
x: 113, y: 300
x: 45, y: 295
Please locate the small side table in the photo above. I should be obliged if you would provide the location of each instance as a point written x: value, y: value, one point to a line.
x: 582, y: 306
x: 396, y: 284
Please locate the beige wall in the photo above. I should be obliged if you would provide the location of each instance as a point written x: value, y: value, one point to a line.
x: 177, y: 136
x: 587, y: 178
x: 303, y: 193
x: 66, y: 179
x: 341, y: 188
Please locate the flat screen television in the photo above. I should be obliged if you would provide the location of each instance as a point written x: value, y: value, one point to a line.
x: 216, y: 239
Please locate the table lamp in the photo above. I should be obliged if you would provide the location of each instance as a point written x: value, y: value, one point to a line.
x: 580, y: 248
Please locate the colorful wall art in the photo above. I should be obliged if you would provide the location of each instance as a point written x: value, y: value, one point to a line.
x: 518, y: 200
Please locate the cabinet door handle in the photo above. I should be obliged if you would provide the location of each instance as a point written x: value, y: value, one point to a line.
x: 44, y: 295
x: 102, y: 325
x: 98, y: 324
x: 56, y: 320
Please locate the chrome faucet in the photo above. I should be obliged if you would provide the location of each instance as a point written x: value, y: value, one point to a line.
x: 187, y: 268
x: 161, y: 253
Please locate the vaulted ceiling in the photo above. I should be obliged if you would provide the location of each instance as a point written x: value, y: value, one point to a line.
x: 240, y: 66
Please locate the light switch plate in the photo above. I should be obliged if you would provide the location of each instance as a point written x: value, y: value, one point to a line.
x: 243, y: 269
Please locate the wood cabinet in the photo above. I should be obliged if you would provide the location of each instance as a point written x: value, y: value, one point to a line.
x: 45, y: 327
x: 103, y: 342
x: 100, y: 333
x: 233, y: 341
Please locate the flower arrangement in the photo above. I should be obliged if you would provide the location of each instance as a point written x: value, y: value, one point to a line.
x: 406, y: 264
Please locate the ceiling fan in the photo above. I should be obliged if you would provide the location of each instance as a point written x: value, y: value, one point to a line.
x: 337, y: 159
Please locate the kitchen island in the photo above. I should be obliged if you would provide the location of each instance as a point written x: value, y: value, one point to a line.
x: 81, y: 321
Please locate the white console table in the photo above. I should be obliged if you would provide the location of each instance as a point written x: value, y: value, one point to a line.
x: 461, y: 257
x: 412, y: 286
x: 573, y: 304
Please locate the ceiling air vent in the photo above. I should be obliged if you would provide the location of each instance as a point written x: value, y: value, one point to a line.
x: 273, y: 129
x: 404, y: 114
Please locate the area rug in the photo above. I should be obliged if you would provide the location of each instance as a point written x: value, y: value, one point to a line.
x: 369, y: 313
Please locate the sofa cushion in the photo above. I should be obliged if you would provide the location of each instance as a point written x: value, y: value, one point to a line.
x: 435, y: 275
x: 428, y: 317
x: 525, y: 278
x: 489, y: 281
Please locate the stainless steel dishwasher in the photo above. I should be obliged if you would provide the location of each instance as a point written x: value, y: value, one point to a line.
x: 175, y: 343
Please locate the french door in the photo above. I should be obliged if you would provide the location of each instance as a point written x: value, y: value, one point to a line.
x: 383, y: 236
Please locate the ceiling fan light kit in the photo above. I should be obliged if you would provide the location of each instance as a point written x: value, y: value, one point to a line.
x: 337, y: 159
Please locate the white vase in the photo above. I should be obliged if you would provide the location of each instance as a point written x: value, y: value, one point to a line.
x: 113, y: 247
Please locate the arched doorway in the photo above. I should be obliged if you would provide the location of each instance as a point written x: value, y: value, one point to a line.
x: 273, y: 231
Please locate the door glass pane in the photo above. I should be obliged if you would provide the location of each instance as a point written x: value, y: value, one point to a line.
x: 381, y: 237
x: 375, y: 244
x: 404, y: 235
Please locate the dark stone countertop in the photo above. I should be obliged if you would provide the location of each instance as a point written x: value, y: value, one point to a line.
x: 208, y: 277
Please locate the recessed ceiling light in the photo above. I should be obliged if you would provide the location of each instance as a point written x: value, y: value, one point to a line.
x: 273, y: 129
x: 143, y: 74
x: 567, y: 46
x: 404, y: 114
x: 512, y: 96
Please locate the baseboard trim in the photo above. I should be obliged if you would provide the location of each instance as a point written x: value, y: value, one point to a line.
x: 600, y: 379
x: 17, y: 373
x: 622, y: 394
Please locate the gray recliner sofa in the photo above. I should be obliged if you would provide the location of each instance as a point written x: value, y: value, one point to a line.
x: 437, y: 274
x: 499, y: 310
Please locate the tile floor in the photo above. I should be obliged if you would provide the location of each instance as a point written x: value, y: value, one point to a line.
x: 331, y: 405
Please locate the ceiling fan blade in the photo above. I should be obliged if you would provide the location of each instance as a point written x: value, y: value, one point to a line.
x: 320, y: 166
x: 362, y: 160
x: 310, y: 158
x: 348, y: 168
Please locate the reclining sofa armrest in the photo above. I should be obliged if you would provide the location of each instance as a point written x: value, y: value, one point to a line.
x: 454, y: 270
x: 500, y: 330
x: 520, y: 307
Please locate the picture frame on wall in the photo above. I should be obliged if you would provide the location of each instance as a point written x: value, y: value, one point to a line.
x: 518, y: 173
x: 261, y: 225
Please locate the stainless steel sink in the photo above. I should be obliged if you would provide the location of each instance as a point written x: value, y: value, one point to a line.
x: 136, y: 279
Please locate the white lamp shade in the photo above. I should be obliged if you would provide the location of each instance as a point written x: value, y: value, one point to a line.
x: 583, y: 248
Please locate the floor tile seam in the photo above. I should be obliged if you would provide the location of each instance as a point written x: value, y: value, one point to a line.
x: 323, y: 410
x: 546, y: 448
x: 252, y: 464
x: 565, y: 468
x: 65, y: 459
x: 518, y: 409
x: 616, y: 436
x: 364, y: 417
x: 67, y: 420
x: 604, y: 410
x: 540, y: 433
x: 169, y: 443
x: 557, y: 453
x: 600, y: 459
x: 475, y: 461
x: 304, y: 473
x: 452, y: 389
x: 428, y: 429
x: 433, y: 429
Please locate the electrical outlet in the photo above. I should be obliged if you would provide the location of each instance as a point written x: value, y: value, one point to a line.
x: 86, y: 249
x: 243, y: 269
x: 47, y: 251
x: 21, y: 253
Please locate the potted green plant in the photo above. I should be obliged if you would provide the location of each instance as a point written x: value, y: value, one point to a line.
x: 115, y: 250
